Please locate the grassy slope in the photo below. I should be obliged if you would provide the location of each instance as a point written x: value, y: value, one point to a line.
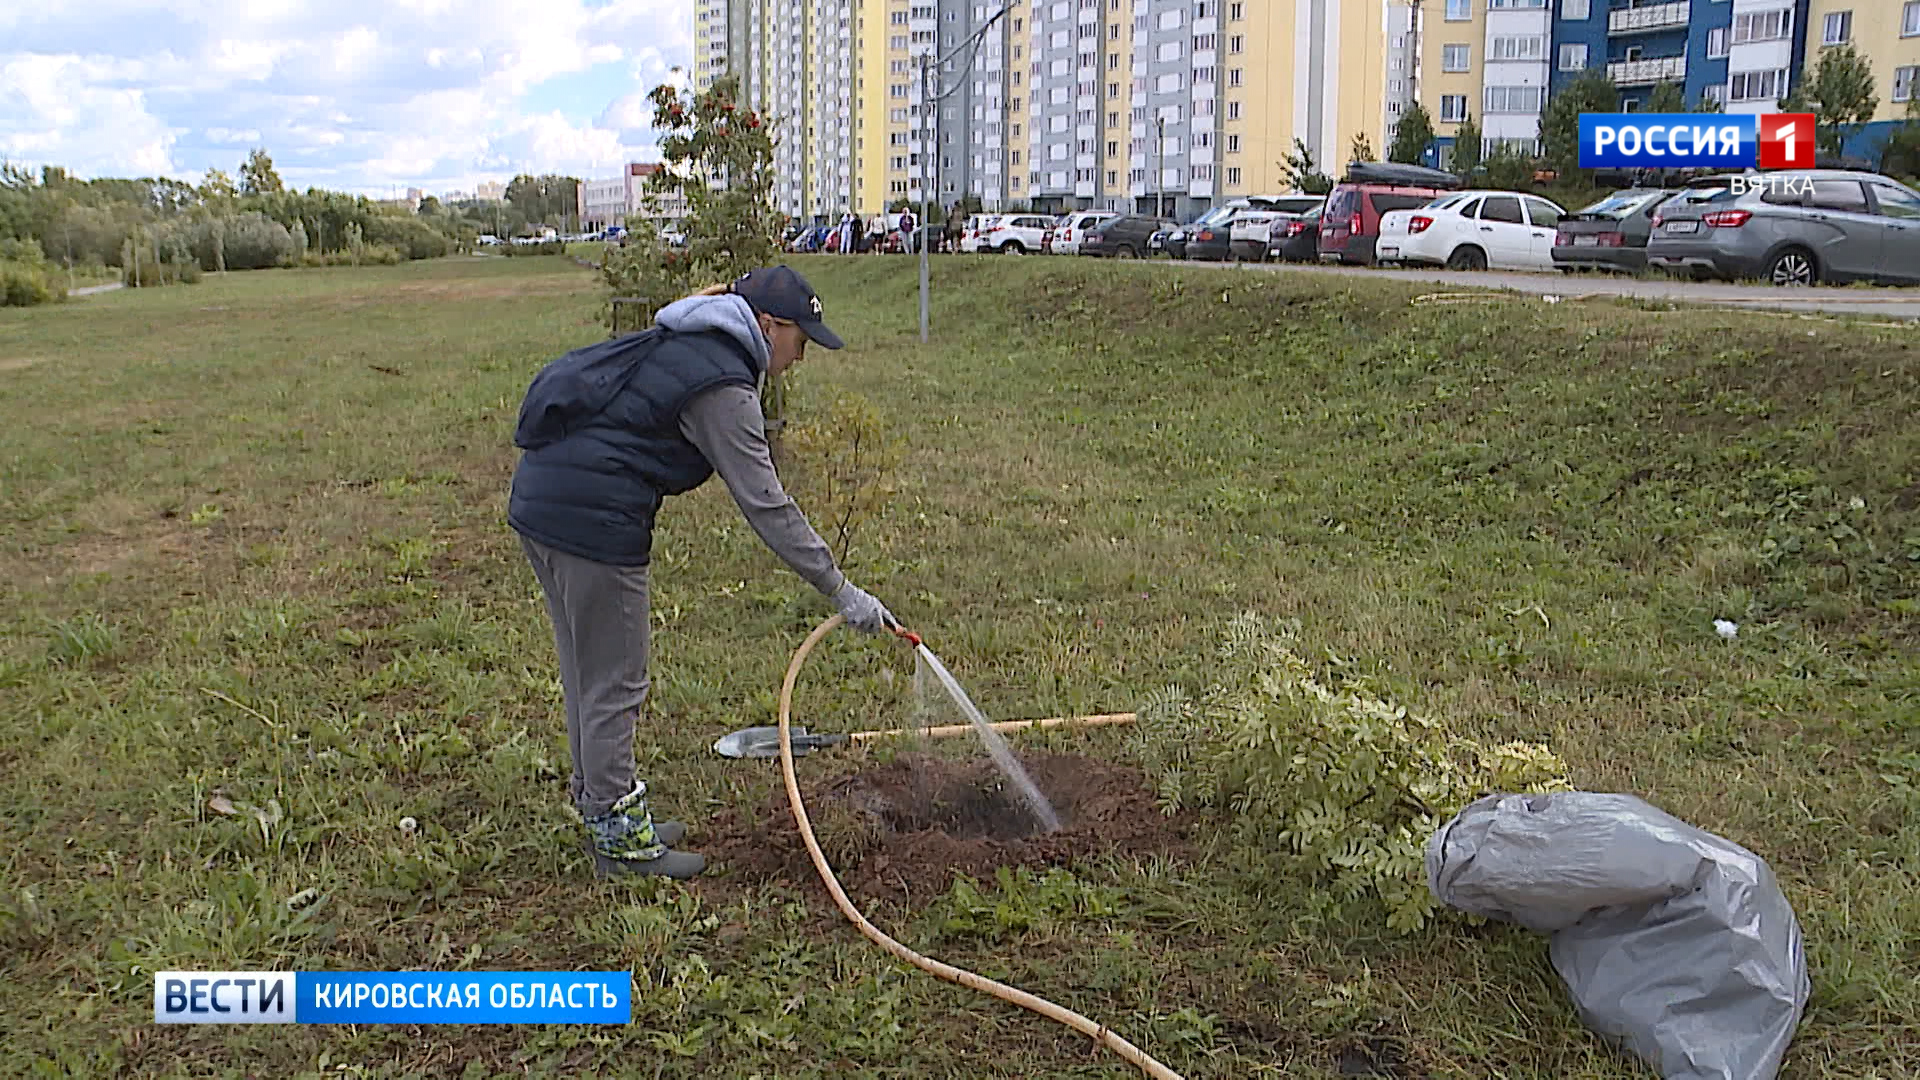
x: 240, y: 558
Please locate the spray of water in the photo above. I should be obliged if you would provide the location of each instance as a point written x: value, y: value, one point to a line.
x: 1036, y: 803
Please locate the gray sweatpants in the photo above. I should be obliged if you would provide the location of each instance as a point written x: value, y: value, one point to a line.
x: 600, y: 630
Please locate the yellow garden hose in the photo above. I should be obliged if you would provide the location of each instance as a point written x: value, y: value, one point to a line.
x: 1099, y: 1032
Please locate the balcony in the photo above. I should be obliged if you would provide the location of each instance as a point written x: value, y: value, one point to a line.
x: 1641, y: 20
x: 1648, y: 72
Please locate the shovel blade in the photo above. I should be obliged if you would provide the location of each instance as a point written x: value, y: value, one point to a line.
x: 762, y: 742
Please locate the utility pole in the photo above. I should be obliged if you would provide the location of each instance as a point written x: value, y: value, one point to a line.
x: 931, y: 96
x: 1160, y: 166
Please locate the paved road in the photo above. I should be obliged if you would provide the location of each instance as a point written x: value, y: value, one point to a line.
x: 1884, y: 303
x: 92, y: 289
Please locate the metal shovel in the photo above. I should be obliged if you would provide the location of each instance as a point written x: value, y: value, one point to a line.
x: 764, y: 742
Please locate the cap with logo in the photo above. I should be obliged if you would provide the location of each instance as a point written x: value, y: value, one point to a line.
x: 781, y: 292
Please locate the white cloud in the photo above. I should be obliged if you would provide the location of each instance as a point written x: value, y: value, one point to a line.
x: 357, y: 94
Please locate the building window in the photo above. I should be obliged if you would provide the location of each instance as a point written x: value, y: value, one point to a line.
x: 897, y: 42
x: 1575, y: 10
x: 1513, y: 99
x: 1459, y: 10
x: 1715, y: 93
x: 1903, y: 80
x: 1838, y: 29
x: 1233, y: 110
x: 1203, y: 172
x: 1202, y: 76
x: 1113, y: 91
x: 1453, y: 108
x: 1528, y: 47
x: 1233, y: 78
x: 1236, y: 12
x: 1233, y: 176
x: 1573, y: 57
x: 1717, y: 43
x: 1233, y: 144
x: 1762, y: 26
x: 1204, y: 42
x: 1113, y: 178
x: 1910, y: 19
x: 1455, y: 57
x: 1237, y: 44
x: 1757, y: 85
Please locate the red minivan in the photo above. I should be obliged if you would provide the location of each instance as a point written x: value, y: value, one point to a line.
x: 1350, y: 223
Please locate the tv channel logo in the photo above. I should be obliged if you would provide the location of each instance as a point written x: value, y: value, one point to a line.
x: 223, y: 997
x: 1696, y: 140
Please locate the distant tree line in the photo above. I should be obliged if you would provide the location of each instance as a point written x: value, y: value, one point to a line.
x: 157, y: 230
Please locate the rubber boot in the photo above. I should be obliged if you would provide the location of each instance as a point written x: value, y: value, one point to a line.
x: 627, y: 841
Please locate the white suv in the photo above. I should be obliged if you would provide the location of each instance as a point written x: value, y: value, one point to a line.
x: 1074, y: 227
x: 1015, y: 234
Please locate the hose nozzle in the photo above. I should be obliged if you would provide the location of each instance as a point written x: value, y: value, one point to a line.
x: 903, y: 633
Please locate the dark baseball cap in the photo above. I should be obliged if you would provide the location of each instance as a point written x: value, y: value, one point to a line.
x: 781, y: 292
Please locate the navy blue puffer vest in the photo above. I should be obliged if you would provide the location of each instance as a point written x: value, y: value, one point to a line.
x: 601, y: 431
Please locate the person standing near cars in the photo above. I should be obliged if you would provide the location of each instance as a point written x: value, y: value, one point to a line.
x: 608, y: 432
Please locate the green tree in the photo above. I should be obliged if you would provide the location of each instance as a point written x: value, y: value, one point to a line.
x: 1301, y: 173
x: 1901, y: 155
x: 1411, y: 136
x: 1838, y: 92
x: 1668, y: 97
x: 257, y: 175
x: 217, y: 187
x: 429, y: 207
x: 1591, y: 92
x: 1362, y: 149
x: 1466, y: 147
x: 730, y: 226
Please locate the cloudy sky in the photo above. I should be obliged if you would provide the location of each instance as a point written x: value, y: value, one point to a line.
x: 354, y: 95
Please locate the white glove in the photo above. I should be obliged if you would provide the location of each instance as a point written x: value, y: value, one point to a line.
x: 861, y: 610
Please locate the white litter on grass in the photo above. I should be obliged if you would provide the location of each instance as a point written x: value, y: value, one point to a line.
x: 1856, y: 503
x: 408, y: 826
x: 1725, y: 629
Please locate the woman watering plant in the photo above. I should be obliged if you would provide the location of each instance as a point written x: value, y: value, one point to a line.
x: 610, y: 430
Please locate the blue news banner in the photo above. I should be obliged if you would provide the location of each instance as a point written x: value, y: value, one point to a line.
x: 1697, y: 140
x: 393, y: 997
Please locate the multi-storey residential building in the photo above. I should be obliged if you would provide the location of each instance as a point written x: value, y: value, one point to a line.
x: 709, y: 42
x: 1644, y: 43
x: 1767, y: 49
x: 1450, y: 51
x: 1067, y: 104
x: 1886, y: 33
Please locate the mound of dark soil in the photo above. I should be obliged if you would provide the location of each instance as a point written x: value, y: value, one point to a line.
x: 904, y: 829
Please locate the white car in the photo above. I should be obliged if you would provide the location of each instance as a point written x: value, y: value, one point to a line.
x: 1015, y: 234
x: 1473, y: 230
x: 1074, y: 227
x: 974, y: 231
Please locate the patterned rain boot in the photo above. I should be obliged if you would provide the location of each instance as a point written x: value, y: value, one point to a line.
x: 626, y: 840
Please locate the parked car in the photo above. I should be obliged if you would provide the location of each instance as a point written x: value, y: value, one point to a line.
x: 1610, y: 234
x: 1073, y: 228
x: 1015, y: 234
x: 1792, y: 228
x: 1250, y: 229
x: 1472, y: 230
x: 1351, y: 221
x: 1180, y: 239
x: 972, y: 232
x: 1296, y: 239
x: 1126, y: 237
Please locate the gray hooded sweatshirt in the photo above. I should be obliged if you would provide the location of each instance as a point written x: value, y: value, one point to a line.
x: 727, y: 425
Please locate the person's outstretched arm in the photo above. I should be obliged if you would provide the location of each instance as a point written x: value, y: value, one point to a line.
x: 727, y: 426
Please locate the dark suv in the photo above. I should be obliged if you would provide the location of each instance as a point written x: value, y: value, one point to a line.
x: 1123, y: 237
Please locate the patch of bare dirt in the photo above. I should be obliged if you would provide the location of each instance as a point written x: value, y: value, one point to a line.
x: 908, y: 827
x: 20, y: 363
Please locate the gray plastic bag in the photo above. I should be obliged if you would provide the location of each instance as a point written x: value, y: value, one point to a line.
x: 1671, y: 940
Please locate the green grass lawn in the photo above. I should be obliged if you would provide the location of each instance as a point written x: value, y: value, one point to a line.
x: 260, y: 604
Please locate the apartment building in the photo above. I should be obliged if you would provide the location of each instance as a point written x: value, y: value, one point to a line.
x: 1066, y: 104
x: 709, y: 42
x: 1886, y: 33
